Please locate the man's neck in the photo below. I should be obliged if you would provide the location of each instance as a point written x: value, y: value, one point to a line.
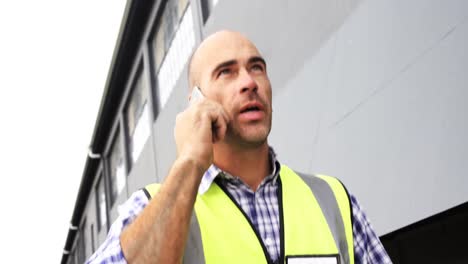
x: 251, y: 165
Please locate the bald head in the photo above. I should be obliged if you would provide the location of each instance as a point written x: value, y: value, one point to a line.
x: 216, y: 47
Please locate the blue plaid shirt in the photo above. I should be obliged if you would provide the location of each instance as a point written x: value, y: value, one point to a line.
x: 260, y: 206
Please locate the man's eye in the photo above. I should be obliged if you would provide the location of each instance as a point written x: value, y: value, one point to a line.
x: 257, y: 67
x: 224, y: 72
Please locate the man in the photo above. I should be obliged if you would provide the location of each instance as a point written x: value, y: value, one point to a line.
x: 226, y: 198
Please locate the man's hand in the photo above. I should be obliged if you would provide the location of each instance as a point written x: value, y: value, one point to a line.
x: 201, y: 125
x: 159, y: 233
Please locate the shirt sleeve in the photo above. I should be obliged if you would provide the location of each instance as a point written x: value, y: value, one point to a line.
x: 110, y: 251
x: 367, y: 246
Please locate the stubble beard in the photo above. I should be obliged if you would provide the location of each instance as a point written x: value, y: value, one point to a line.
x: 249, y: 137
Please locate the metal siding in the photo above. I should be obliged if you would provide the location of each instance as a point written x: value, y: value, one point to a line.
x: 164, y: 126
x: 383, y: 105
x: 143, y: 170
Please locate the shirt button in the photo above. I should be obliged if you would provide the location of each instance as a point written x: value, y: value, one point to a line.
x: 268, y: 241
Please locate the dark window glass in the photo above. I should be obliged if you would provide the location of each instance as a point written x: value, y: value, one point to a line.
x: 72, y: 258
x: 170, y: 17
x: 137, y: 117
x: 93, y: 246
x: 172, y: 44
x: 101, y: 204
x: 117, y: 169
x: 166, y: 29
x: 207, y: 7
x: 81, y: 256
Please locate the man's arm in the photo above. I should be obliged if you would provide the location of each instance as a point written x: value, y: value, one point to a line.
x: 110, y: 251
x: 367, y: 245
x: 159, y: 233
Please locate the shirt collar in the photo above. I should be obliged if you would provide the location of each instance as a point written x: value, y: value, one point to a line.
x: 213, y: 172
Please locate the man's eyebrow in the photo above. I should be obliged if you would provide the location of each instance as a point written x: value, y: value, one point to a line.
x: 224, y: 64
x: 257, y: 59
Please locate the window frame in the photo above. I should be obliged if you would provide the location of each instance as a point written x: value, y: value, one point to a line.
x: 156, y: 25
x: 93, y: 242
x: 140, y: 69
x: 81, y: 243
x: 101, y: 179
x: 151, y: 36
x: 117, y: 137
x: 206, y: 7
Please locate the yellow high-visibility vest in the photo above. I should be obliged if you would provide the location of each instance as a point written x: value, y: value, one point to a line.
x: 315, y: 221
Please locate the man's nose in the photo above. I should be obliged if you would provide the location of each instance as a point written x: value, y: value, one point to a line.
x: 247, y: 83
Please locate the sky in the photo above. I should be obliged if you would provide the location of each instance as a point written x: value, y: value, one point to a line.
x: 54, y: 60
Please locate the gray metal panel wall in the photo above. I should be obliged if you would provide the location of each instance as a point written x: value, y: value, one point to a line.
x: 393, y: 118
x: 371, y: 92
x: 143, y: 171
x: 164, y: 126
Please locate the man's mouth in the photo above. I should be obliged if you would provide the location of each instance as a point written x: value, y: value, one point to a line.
x: 251, y: 106
x: 252, y: 111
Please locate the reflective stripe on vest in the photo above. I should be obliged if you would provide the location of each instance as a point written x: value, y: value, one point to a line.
x: 342, y: 231
x: 311, y: 223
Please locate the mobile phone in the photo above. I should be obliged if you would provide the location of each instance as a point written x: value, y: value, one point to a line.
x: 196, y: 94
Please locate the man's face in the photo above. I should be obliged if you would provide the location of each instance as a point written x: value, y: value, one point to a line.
x: 232, y: 72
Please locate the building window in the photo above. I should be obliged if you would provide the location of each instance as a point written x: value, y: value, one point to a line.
x: 207, y: 6
x: 81, y: 255
x: 93, y: 245
x: 172, y: 44
x: 117, y: 170
x: 72, y: 257
x: 166, y: 28
x: 138, y: 117
x: 101, y: 204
